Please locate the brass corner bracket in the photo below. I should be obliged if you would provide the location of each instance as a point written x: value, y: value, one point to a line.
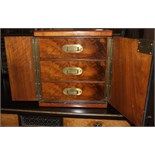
x: 145, y: 46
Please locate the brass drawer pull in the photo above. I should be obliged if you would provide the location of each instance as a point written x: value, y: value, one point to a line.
x: 72, y: 91
x: 72, y: 70
x: 97, y: 124
x: 72, y: 48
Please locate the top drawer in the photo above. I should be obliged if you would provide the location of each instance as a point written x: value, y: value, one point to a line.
x: 72, y: 48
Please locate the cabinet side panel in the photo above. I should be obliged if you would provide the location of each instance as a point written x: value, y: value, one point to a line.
x: 21, y: 68
x: 131, y: 71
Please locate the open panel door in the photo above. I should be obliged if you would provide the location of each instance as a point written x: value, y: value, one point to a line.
x: 130, y: 76
x: 20, y: 66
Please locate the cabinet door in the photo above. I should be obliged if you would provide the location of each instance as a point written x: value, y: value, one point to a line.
x: 130, y: 76
x: 21, y: 68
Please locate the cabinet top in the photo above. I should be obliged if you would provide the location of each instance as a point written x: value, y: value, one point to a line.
x: 73, y: 33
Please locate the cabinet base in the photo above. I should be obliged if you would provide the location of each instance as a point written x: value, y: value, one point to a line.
x: 75, y: 105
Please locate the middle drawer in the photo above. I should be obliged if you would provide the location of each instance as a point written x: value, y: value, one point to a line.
x: 72, y: 70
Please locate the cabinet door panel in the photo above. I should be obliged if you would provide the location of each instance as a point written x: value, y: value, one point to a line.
x: 131, y: 70
x: 20, y: 66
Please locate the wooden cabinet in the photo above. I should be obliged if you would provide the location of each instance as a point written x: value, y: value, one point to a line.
x: 60, y: 68
x: 86, y: 69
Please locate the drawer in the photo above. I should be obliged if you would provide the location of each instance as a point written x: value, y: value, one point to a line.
x: 72, y: 48
x: 80, y: 122
x: 72, y: 70
x: 73, y: 91
x: 9, y: 120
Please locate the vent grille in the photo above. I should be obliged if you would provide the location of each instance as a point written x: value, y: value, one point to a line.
x: 37, y: 120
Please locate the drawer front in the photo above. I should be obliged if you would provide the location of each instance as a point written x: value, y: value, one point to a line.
x: 80, y: 122
x: 9, y: 120
x: 72, y: 48
x: 72, y: 70
x: 73, y: 91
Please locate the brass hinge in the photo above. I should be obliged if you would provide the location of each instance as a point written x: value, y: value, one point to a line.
x: 36, y: 61
x: 145, y: 46
x: 108, y: 72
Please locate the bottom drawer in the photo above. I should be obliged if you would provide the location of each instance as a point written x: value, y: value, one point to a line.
x: 73, y: 92
x: 80, y: 122
x: 9, y: 120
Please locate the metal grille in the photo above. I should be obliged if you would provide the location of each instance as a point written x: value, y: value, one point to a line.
x: 37, y: 120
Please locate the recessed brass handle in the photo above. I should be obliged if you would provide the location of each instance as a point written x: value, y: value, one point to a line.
x: 72, y: 48
x: 72, y: 70
x: 97, y: 124
x: 72, y: 91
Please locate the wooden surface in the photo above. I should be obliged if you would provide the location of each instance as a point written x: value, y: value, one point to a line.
x: 53, y: 70
x: 20, y: 66
x: 93, y: 48
x: 130, y: 79
x: 80, y: 122
x: 75, y: 105
x: 9, y: 120
x: 71, y: 33
x: 90, y: 91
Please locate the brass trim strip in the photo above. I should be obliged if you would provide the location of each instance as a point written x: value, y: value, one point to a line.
x: 108, y: 72
x: 74, y: 101
x: 78, y: 81
x: 75, y: 59
x: 36, y: 60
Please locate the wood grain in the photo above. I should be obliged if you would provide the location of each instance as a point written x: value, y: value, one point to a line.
x: 72, y: 33
x: 20, y: 66
x: 80, y: 122
x: 53, y: 70
x: 8, y: 120
x: 90, y: 91
x: 75, y: 105
x: 130, y: 79
x: 93, y: 48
